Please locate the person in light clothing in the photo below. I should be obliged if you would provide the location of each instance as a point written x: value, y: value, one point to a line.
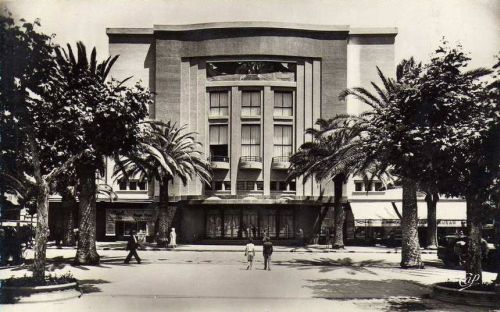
x: 250, y: 253
x: 173, y: 238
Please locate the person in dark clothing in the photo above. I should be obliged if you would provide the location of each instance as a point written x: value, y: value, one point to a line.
x: 132, y: 245
x: 267, y: 250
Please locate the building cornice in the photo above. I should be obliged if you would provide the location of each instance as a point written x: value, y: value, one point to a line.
x: 253, y: 25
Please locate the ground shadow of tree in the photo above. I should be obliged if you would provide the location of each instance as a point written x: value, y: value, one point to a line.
x: 52, y: 264
x: 87, y: 286
x: 365, y: 289
x: 328, y: 264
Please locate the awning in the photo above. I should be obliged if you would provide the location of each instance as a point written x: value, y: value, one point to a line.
x: 373, y: 213
x: 381, y: 213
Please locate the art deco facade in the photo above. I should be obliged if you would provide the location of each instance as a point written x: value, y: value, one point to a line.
x: 250, y: 90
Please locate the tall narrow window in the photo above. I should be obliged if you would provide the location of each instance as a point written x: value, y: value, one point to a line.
x: 219, y: 143
x: 282, y: 141
x: 250, y: 141
x: 219, y: 103
x: 283, y: 103
x: 250, y: 103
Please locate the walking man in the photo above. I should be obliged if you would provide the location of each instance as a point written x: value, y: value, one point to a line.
x: 267, y: 250
x: 132, y: 245
x: 250, y: 253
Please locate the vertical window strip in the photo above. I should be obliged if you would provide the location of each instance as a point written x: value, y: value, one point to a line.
x: 250, y: 140
x: 219, y: 101
x: 282, y: 140
x: 283, y: 103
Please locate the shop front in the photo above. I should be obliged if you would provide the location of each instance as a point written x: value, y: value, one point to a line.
x: 233, y: 221
x: 121, y: 221
x: 379, y: 222
x: 250, y: 222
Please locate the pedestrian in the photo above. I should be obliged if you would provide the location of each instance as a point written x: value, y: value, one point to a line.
x: 173, y: 238
x: 250, y: 253
x: 132, y: 245
x: 300, y: 236
x: 76, y: 235
x: 267, y: 251
x: 316, y: 239
x: 264, y: 235
x: 3, y: 247
x: 58, y: 236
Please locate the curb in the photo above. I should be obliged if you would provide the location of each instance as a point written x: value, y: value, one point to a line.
x: 287, y: 250
x: 300, y: 250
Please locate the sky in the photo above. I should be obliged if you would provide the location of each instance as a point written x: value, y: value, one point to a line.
x: 421, y: 24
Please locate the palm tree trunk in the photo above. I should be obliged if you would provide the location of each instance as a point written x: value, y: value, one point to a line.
x: 432, y: 200
x: 497, y: 245
x: 86, y: 252
x: 42, y: 232
x: 162, y: 236
x: 68, y: 204
x: 410, y: 251
x: 339, y: 214
x: 473, y: 262
x: 318, y: 223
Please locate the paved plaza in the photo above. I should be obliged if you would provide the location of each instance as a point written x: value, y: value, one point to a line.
x: 216, y: 279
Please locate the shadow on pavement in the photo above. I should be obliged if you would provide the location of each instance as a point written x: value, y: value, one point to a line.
x: 365, y: 289
x: 87, y: 286
x: 52, y: 264
x: 327, y: 264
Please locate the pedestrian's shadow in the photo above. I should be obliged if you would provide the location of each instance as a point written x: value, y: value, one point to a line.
x: 304, y: 249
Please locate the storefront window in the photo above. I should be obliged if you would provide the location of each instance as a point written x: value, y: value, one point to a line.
x: 268, y: 223
x: 250, y: 223
x: 231, y: 223
x: 286, y: 224
x: 214, y: 224
x: 119, y: 222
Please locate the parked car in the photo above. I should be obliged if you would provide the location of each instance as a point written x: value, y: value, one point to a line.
x: 453, y: 251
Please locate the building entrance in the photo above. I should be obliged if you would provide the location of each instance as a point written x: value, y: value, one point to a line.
x: 250, y: 222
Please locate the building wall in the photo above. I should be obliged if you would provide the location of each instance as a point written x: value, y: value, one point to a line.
x: 181, y: 91
x: 171, y: 60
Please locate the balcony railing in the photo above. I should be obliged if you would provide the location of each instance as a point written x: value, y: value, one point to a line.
x: 281, y: 159
x: 219, y: 162
x: 251, y: 162
x: 281, y: 162
x: 251, y: 158
x: 219, y: 158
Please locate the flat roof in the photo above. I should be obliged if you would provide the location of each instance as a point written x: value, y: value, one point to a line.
x: 253, y: 25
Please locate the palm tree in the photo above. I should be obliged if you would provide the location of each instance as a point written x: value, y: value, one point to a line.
x: 332, y: 155
x: 75, y: 69
x: 376, y: 125
x: 166, y: 152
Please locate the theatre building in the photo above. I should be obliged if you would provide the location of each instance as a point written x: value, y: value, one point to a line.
x: 249, y: 90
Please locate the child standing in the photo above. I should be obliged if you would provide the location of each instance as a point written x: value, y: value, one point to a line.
x: 250, y: 253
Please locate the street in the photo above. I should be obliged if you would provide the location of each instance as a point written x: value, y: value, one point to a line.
x: 209, y: 280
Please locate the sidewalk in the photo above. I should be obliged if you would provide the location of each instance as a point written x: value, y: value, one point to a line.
x: 120, y: 245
